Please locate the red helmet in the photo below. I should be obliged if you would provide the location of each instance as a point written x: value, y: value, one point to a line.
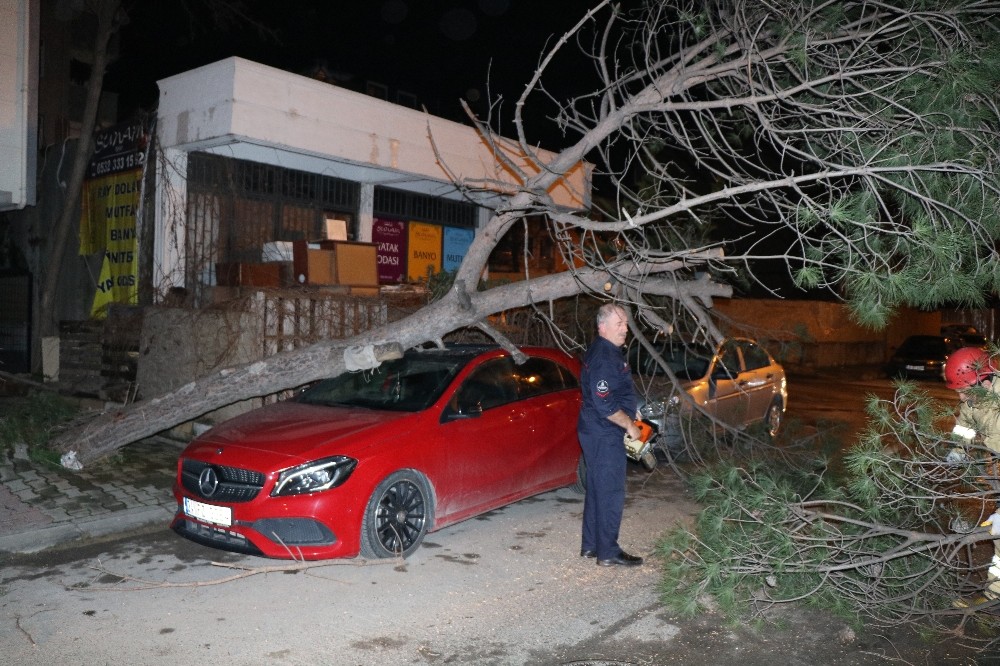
x: 967, y: 367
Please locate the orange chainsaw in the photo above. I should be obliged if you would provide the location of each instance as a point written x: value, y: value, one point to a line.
x: 641, y: 450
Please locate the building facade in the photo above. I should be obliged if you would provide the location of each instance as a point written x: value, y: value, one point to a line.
x: 249, y: 156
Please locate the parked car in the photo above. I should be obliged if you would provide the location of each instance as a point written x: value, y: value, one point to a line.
x: 965, y: 335
x: 737, y: 382
x: 974, y: 340
x: 921, y: 357
x: 370, y: 462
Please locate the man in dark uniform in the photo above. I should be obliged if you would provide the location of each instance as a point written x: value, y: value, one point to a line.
x: 606, y: 414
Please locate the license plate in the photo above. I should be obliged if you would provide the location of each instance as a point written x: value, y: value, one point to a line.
x: 914, y: 367
x: 219, y: 515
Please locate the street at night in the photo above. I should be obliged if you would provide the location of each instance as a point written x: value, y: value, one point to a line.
x: 505, y: 588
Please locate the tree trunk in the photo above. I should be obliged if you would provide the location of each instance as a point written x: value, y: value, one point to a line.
x: 106, y: 12
x: 294, y: 368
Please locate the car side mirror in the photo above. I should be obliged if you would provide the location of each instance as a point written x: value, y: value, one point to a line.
x: 459, y: 412
x: 470, y: 411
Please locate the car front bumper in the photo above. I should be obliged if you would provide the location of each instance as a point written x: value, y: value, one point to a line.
x: 306, y: 527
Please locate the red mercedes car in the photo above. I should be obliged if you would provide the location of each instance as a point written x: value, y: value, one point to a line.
x: 369, y: 462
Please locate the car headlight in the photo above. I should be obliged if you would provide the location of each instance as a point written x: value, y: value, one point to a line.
x: 314, y: 476
x: 651, y: 410
x: 657, y: 408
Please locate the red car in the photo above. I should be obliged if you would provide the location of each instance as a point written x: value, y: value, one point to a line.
x: 369, y: 462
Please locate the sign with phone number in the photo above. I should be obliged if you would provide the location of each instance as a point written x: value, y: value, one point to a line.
x: 116, y: 164
x: 117, y: 149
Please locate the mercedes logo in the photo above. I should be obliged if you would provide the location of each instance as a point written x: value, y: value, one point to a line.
x: 208, y: 482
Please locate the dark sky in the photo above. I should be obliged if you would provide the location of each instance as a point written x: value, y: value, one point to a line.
x: 439, y: 50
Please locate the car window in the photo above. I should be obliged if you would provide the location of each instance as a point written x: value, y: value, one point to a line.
x: 538, y: 376
x: 754, y: 356
x: 687, y: 362
x: 490, y: 385
x: 409, y: 384
x: 970, y: 340
x: 729, y: 359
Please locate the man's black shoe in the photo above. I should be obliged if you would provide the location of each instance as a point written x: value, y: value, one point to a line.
x: 588, y: 553
x: 623, y: 559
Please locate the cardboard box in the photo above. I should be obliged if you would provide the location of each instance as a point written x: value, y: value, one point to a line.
x: 248, y: 275
x: 313, y: 266
x: 356, y: 264
x: 335, y: 229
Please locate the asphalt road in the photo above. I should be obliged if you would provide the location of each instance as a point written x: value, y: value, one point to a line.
x: 841, y: 399
x: 506, y: 588
x: 499, y: 589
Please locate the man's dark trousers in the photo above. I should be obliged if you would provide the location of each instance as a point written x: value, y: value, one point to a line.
x: 606, y: 462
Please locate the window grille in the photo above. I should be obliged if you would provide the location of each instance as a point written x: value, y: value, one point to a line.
x: 423, y: 208
x: 235, y: 206
x: 252, y: 179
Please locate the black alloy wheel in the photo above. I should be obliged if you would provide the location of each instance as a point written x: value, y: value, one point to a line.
x: 397, y: 517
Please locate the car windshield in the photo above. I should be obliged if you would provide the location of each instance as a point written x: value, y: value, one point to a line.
x: 689, y: 362
x: 409, y: 384
x: 685, y: 361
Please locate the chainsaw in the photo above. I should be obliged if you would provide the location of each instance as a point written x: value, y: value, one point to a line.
x: 641, y: 449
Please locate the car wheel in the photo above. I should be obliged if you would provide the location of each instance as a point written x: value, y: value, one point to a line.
x: 581, y: 477
x: 773, y: 418
x: 397, y: 517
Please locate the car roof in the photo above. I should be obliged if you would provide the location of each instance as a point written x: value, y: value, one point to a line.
x: 469, y: 350
x: 457, y: 350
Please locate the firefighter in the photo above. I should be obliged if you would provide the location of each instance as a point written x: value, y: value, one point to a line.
x: 606, y: 414
x: 971, y: 371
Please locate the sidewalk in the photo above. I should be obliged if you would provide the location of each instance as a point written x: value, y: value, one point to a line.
x: 45, y: 505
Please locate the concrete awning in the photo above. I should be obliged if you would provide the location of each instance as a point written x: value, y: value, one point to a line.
x: 245, y: 110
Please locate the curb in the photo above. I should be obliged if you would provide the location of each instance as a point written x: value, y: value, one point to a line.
x: 42, y: 538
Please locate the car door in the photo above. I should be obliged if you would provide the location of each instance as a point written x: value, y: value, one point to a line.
x: 549, y: 396
x: 726, y: 400
x: 484, y: 430
x: 757, y: 380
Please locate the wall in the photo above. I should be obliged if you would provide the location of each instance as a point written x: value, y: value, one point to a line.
x: 817, y: 334
x: 178, y: 345
x: 18, y: 102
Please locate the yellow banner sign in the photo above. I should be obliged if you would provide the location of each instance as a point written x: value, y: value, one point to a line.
x: 109, y: 206
x: 423, y: 251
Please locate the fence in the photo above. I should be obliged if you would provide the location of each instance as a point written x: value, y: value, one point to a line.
x: 289, y: 320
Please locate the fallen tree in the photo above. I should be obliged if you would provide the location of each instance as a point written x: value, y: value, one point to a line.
x: 290, y: 369
x: 801, y: 133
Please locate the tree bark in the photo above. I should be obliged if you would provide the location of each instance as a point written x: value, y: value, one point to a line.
x: 290, y: 369
x: 107, y: 14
